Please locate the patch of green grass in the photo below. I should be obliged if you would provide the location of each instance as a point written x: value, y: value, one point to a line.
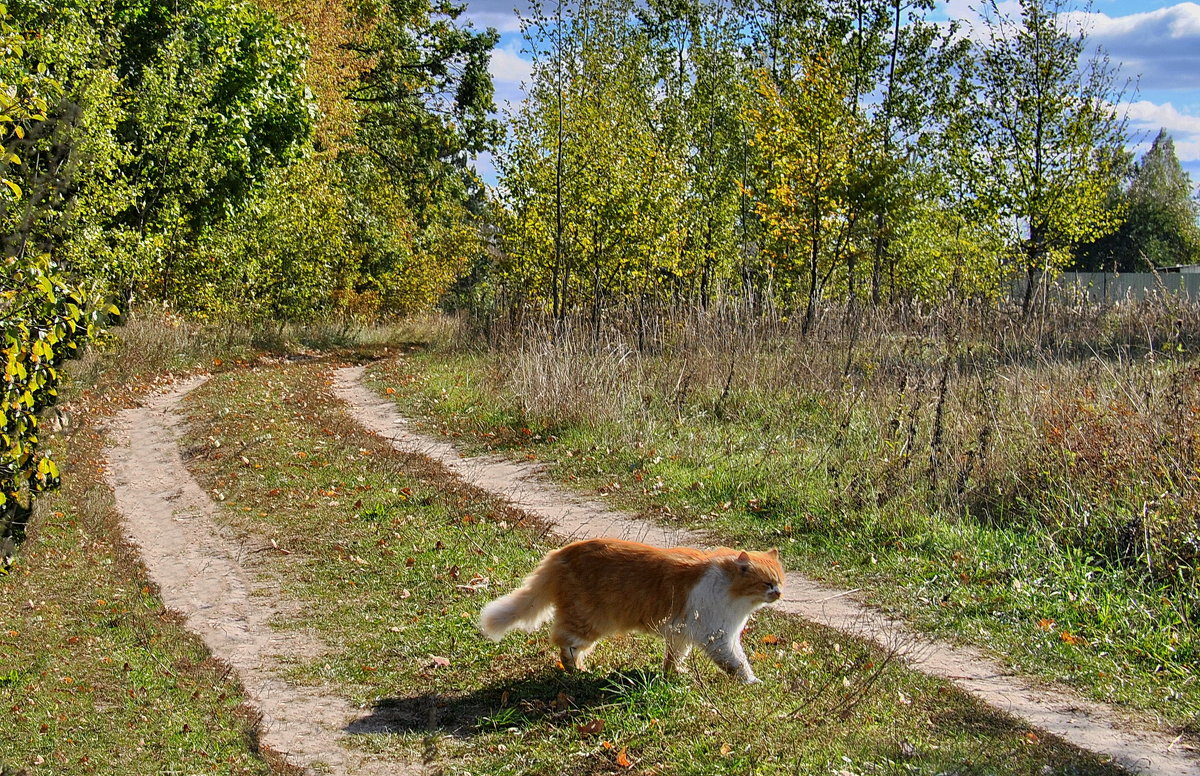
x: 95, y: 676
x: 390, y: 560
x: 784, y: 470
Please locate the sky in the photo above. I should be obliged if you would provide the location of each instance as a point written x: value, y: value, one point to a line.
x: 1155, y: 42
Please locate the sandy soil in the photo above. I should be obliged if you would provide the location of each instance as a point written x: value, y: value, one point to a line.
x: 1084, y: 723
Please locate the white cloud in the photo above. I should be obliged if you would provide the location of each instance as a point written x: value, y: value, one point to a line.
x: 1188, y: 151
x: 1147, y: 118
x: 1147, y: 115
x: 1161, y: 46
x: 508, y: 67
x: 501, y: 14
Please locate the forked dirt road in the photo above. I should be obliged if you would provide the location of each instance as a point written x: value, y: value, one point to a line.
x: 207, y: 575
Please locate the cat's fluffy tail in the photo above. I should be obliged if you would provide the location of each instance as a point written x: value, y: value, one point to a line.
x: 525, y: 608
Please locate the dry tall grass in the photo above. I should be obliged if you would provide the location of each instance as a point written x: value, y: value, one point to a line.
x: 1082, y: 422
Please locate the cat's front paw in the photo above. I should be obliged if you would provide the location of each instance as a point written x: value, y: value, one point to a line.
x: 751, y: 679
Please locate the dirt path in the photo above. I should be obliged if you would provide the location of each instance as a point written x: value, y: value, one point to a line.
x: 1086, y: 724
x: 207, y: 574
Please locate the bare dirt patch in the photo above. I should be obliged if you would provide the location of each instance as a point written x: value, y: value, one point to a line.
x: 1086, y: 724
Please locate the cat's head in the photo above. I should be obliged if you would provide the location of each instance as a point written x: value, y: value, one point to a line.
x: 757, y: 576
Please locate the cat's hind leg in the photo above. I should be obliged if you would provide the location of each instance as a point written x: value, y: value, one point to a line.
x: 574, y: 647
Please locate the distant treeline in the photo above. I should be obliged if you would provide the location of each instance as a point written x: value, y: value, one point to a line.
x: 294, y: 159
x: 790, y: 153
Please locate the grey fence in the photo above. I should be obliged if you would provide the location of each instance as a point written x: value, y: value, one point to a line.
x: 1119, y: 287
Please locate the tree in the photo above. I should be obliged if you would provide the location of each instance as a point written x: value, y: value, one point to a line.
x: 44, y: 319
x: 333, y: 30
x: 591, y: 186
x: 425, y: 99
x: 170, y: 116
x: 694, y: 50
x: 902, y: 69
x: 1048, y: 136
x: 808, y: 187
x: 1161, y: 227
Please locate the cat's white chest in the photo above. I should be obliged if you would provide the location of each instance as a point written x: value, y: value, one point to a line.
x: 711, y: 612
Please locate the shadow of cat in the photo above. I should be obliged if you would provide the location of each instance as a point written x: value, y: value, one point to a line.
x: 550, y: 695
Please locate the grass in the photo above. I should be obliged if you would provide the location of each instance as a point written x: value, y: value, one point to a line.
x: 940, y: 489
x: 380, y: 553
x: 96, y: 676
x: 390, y: 560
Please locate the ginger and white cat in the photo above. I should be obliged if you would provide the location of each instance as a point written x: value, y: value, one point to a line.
x: 600, y: 587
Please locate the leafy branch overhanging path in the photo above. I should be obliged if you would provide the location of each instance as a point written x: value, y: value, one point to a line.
x: 1087, y: 724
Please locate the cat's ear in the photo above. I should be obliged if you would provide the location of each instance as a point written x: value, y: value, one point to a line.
x: 743, y: 562
x: 773, y: 552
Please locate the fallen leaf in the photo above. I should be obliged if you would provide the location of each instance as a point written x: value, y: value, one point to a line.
x: 1046, y: 623
x: 439, y: 661
x: 593, y: 728
x: 623, y: 758
x: 476, y: 584
x: 770, y: 638
x: 1032, y: 738
x: 725, y: 750
x: 404, y: 593
x: 1072, y: 639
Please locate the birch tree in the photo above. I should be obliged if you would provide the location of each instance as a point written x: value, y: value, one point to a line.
x: 1048, y: 134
